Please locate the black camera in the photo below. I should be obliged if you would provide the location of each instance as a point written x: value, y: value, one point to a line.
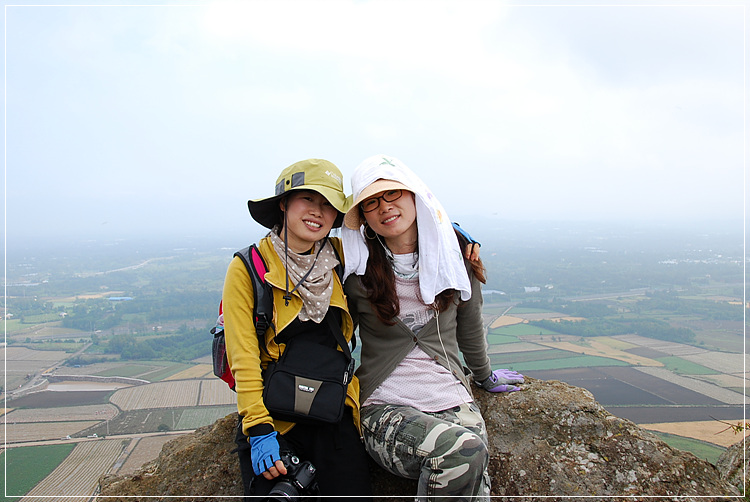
x: 298, y: 480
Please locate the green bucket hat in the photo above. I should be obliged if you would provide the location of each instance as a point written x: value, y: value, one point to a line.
x: 312, y: 174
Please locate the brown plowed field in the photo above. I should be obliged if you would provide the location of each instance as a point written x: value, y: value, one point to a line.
x: 48, y: 399
x: 659, y: 414
x: 621, y: 385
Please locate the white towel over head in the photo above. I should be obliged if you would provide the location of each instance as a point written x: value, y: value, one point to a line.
x: 441, y: 263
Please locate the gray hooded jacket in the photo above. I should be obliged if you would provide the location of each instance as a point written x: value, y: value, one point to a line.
x: 383, y: 347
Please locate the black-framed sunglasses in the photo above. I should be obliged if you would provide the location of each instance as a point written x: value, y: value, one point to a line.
x: 373, y: 203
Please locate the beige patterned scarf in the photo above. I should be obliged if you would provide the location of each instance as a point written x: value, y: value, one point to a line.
x: 317, y: 288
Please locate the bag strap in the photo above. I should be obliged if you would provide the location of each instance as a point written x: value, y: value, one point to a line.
x: 340, y: 272
x: 339, y: 336
x: 340, y: 267
x: 262, y: 294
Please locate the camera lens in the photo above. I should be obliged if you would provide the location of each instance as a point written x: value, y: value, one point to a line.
x: 283, y: 492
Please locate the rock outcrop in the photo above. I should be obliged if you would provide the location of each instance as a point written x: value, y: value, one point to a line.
x: 734, y: 464
x: 551, y: 439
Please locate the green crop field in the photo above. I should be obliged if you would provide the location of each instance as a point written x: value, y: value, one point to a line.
x: 167, y: 371
x: 684, y: 367
x: 27, y: 466
x: 192, y: 418
x: 495, y: 339
x: 532, y: 356
x: 41, y: 318
x: 570, y: 362
x: 522, y: 329
x: 126, y: 370
x: 66, y: 346
x: 13, y: 325
x: 700, y: 449
x: 523, y: 310
x: 494, y: 309
x: 153, y: 371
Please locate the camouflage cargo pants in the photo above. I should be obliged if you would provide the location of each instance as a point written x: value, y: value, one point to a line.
x: 445, y: 451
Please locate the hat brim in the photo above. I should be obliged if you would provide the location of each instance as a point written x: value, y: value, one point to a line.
x: 268, y: 213
x: 353, y: 218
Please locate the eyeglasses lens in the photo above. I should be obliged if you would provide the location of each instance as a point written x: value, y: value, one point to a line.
x: 373, y: 203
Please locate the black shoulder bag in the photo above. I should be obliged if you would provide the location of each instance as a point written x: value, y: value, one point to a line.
x: 308, y: 383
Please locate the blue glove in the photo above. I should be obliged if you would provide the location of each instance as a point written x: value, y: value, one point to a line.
x: 264, y: 452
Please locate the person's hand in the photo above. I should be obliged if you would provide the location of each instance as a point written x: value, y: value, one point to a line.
x: 508, y: 376
x: 503, y: 388
x: 501, y: 381
x: 472, y: 248
x: 265, y: 456
x: 472, y: 251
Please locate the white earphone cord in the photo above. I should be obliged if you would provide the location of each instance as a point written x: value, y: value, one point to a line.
x: 445, y: 354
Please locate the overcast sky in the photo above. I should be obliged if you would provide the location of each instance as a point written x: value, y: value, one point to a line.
x: 166, y: 118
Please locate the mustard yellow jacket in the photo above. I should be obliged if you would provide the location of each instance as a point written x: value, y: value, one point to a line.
x: 243, y: 352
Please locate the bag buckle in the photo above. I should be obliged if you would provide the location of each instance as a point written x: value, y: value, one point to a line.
x: 349, y: 373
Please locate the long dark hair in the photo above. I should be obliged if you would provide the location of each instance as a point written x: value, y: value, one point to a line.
x: 380, y: 281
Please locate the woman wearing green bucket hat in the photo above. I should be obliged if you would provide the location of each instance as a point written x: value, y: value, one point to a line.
x: 301, y: 261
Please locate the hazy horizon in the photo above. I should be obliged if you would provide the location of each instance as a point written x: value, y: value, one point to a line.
x: 492, y: 232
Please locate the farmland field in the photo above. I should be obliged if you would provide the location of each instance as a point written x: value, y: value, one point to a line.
x: 138, y: 422
x: 725, y: 396
x: 540, y: 354
x: 562, y: 363
x: 523, y: 330
x: 28, y: 465
x: 21, y: 432
x: 505, y: 320
x: 700, y: 449
x: 710, y: 431
x: 513, y: 346
x: 702, y: 379
x: 78, y: 474
x: 721, y: 362
x: 205, y: 415
x: 670, y: 348
x: 496, y: 339
x: 684, y: 367
x: 130, y: 370
x: 91, y: 412
x: 602, y: 380
x: 165, y: 372
x: 216, y: 392
x: 732, y: 382
x: 20, y: 361
x: 197, y: 371
x: 592, y: 347
x: 717, y: 335
x: 143, y: 450
x: 170, y: 394
x: 49, y: 399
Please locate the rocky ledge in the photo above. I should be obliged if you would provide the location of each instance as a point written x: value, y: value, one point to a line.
x: 550, y: 440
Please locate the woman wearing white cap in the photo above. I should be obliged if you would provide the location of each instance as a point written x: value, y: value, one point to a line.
x: 418, y: 303
x: 310, y: 315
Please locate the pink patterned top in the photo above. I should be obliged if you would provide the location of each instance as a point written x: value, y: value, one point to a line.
x: 418, y: 381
